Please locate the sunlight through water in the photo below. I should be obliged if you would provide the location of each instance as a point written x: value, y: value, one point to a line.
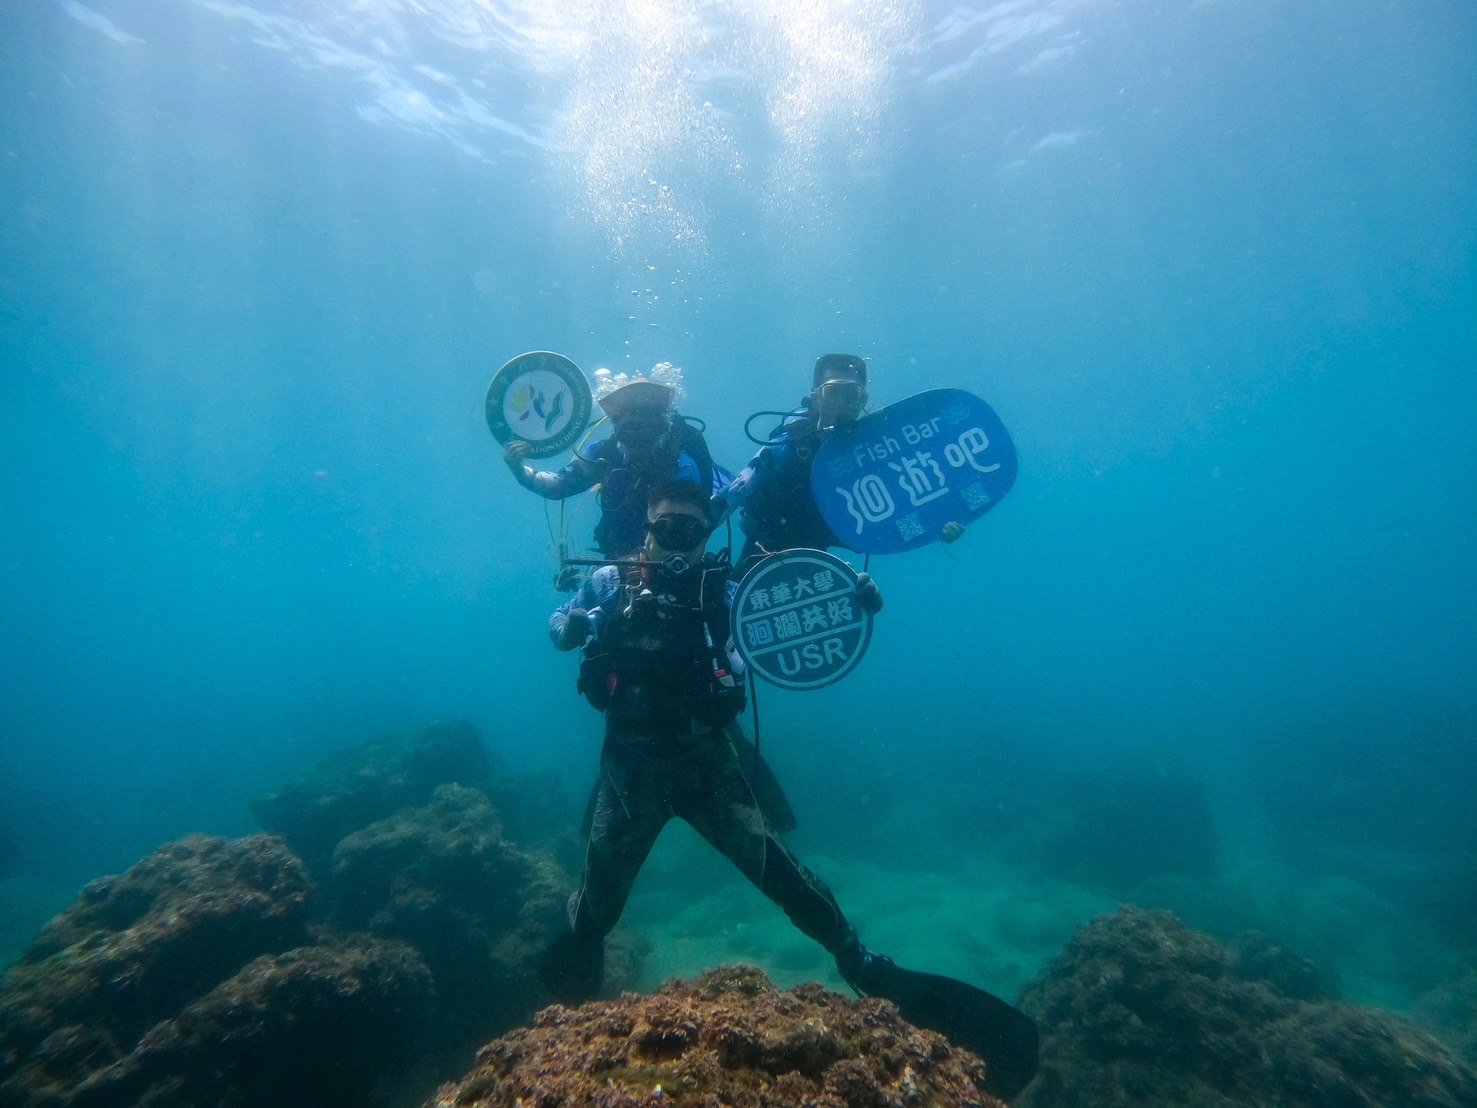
x: 640, y: 104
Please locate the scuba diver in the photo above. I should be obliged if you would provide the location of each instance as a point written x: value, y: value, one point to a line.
x: 661, y: 666
x: 651, y: 443
x: 772, y: 494
x: 777, y: 509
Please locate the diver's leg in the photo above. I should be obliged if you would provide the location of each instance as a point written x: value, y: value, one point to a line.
x: 762, y: 780
x: 628, y: 813
x: 715, y: 797
x: 716, y: 800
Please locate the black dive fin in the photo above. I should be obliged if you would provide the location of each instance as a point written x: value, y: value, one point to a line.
x: 1004, y: 1036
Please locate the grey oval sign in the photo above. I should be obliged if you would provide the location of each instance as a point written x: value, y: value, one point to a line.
x: 796, y: 620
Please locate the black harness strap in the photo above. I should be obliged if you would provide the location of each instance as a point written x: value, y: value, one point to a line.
x: 754, y: 703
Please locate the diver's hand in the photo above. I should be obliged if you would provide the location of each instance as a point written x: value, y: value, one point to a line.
x: 868, y: 595
x: 513, y: 456
x: 576, y: 629
x: 953, y: 532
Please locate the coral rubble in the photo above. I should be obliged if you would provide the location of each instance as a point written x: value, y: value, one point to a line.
x: 730, y: 1038
x: 1451, y: 1010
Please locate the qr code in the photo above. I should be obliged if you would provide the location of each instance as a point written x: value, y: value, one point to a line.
x: 908, y: 526
x: 974, y: 495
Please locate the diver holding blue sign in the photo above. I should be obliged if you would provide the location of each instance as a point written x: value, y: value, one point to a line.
x: 893, y: 481
x: 773, y: 495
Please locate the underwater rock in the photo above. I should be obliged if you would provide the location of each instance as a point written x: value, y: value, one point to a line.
x: 479, y: 909
x: 1129, y: 825
x: 197, y: 978
x: 729, y: 1037
x: 1139, y: 1009
x: 355, y: 787
x: 1451, y: 1011
x: 1258, y: 957
x: 360, y: 785
x: 314, y: 1025
x: 136, y: 948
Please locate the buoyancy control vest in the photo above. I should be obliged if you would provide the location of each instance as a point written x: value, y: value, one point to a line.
x: 628, y: 480
x: 780, y: 512
x: 660, y: 663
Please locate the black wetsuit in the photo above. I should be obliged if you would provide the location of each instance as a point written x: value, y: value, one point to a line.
x: 773, y: 494
x: 670, y: 748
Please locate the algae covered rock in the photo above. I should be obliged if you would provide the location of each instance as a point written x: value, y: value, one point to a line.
x: 729, y: 1037
x: 289, y: 1029
x: 443, y: 878
x: 1140, y: 1009
x: 194, y: 978
x: 1451, y: 1010
x: 135, y: 948
x: 368, y: 782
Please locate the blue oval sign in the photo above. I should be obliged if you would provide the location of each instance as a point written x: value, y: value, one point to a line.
x: 891, y: 481
x: 796, y: 620
x: 541, y: 398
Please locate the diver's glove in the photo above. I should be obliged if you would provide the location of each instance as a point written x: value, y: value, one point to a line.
x: 868, y: 595
x: 576, y: 629
x: 513, y: 457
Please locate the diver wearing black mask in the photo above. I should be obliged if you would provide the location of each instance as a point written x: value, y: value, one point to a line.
x: 661, y: 666
x: 652, y: 660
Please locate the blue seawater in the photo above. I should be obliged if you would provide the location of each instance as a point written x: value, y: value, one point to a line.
x: 1212, y: 263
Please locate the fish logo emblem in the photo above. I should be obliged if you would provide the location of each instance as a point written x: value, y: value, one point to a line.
x: 531, y: 401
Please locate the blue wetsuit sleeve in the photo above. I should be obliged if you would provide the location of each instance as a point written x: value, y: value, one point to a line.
x: 581, y: 473
x: 735, y: 659
x: 596, y: 591
x: 722, y: 478
x: 733, y: 495
x: 688, y: 469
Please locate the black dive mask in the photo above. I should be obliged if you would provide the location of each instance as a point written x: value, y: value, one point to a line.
x: 640, y: 430
x: 678, y: 533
